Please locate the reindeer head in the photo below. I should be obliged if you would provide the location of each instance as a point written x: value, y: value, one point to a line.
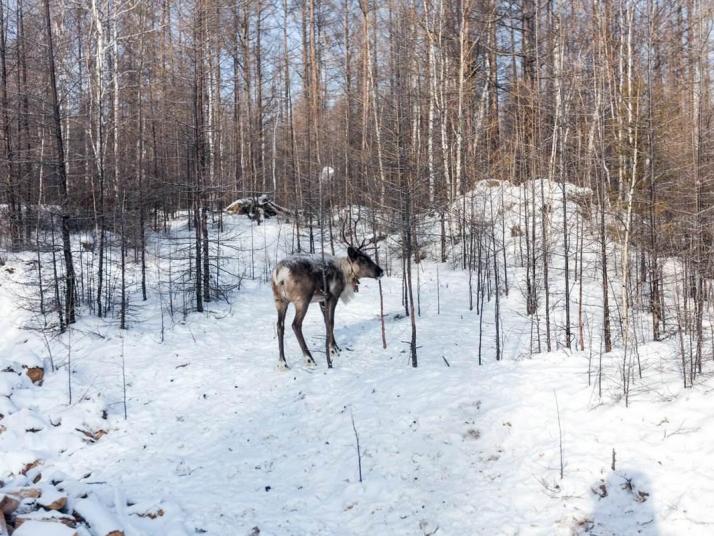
x: 362, y: 264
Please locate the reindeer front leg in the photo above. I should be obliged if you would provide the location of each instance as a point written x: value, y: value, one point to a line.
x: 333, y: 305
x: 300, y: 312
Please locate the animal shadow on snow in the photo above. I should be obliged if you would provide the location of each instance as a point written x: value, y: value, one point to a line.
x: 349, y: 334
x: 622, y: 504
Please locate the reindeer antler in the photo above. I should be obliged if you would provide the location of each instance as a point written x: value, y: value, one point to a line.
x: 344, y: 237
x: 353, y: 232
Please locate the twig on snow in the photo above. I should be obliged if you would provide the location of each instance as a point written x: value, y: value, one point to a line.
x: 560, y: 434
x: 359, y: 452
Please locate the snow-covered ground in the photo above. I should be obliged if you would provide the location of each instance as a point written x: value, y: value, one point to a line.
x: 223, y: 443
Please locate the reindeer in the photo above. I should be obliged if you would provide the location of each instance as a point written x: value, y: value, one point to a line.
x: 301, y: 279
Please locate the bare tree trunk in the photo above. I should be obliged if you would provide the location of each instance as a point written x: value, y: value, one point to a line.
x: 463, y: 31
x: 431, y: 74
x: 140, y: 150
x: 545, y: 211
x: 407, y: 237
x: 654, y: 278
x: 13, y: 178
x: 497, y: 291
x: 60, y: 170
x: 123, y: 304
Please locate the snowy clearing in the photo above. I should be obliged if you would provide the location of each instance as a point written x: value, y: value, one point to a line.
x: 218, y: 441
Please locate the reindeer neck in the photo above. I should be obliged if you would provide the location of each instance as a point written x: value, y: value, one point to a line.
x: 351, y: 279
x: 347, y: 269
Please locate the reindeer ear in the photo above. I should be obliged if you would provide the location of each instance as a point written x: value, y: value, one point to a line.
x: 352, y: 253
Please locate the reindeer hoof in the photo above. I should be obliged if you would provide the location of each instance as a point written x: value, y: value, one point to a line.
x: 283, y: 365
x: 310, y: 362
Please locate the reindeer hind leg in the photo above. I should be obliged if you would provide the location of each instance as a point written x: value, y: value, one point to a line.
x: 300, y: 312
x: 282, y: 308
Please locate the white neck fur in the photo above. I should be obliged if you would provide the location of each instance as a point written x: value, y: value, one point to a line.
x: 348, y: 271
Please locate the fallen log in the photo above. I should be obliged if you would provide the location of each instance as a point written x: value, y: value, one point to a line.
x: 29, y: 466
x: 100, y: 520
x: 36, y: 374
x: 8, y: 504
x: 152, y: 514
x: 51, y: 499
x: 45, y: 517
x: 3, y: 527
x: 257, y: 208
x: 44, y: 528
x: 26, y: 493
x: 92, y: 437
